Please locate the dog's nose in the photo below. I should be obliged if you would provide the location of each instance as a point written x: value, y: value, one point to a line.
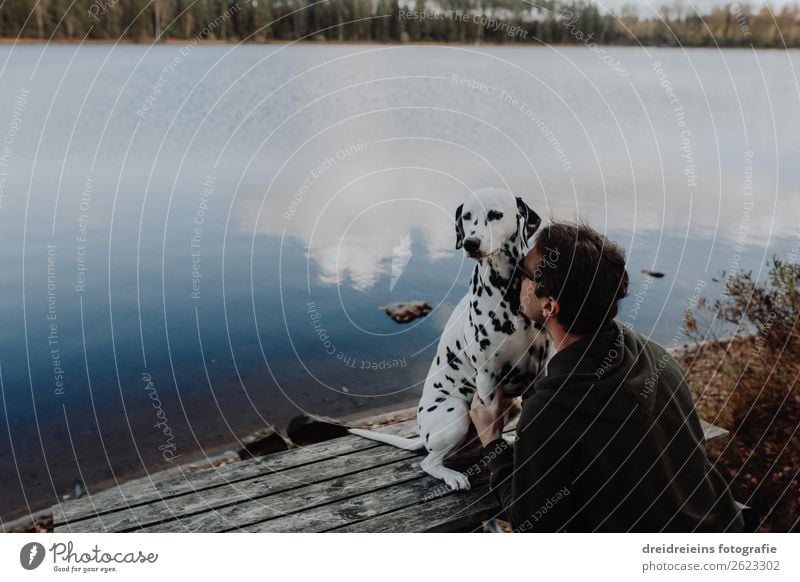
x: 471, y: 245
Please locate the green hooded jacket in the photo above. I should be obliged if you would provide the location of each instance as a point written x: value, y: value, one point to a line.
x: 609, y: 440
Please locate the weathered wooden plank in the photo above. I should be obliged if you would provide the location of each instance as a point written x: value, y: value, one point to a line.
x: 450, y: 512
x: 358, y: 508
x: 302, y: 498
x: 255, y: 490
x: 122, y: 497
x: 298, y: 500
x: 394, y: 475
x: 712, y: 432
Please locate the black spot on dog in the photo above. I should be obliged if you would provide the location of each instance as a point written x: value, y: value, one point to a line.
x: 508, y: 327
x: 450, y: 409
x: 437, y: 360
x: 465, y: 390
x: 497, y: 280
x: 432, y: 408
x: 484, y: 344
x: 445, y: 392
x: 458, y: 345
x: 510, y: 287
x: 437, y: 384
x: 452, y: 359
x: 474, y: 359
x: 441, y: 399
x: 449, y: 379
x: 420, y: 409
x: 427, y: 436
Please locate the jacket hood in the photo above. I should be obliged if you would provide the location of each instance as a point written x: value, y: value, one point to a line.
x: 612, y: 374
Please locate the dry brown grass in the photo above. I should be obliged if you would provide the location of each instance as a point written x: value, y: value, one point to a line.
x: 749, y: 385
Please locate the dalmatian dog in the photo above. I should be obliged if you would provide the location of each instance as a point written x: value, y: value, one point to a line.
x: 486, y: 341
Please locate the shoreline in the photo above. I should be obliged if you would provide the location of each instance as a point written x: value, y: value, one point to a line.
x: 25, y: 41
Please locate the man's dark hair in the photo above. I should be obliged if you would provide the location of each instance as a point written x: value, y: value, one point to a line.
x: 584, y: 271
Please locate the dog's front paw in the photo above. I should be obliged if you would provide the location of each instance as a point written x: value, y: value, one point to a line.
x: 457, y: 481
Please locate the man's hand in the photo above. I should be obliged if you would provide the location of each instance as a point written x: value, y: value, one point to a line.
x: 490, y: 419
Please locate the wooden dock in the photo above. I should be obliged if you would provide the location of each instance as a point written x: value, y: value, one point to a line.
x: 348, y: 484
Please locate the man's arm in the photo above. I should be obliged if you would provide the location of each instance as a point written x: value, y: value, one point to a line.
x: 499, y: 457
x: 532, y: 480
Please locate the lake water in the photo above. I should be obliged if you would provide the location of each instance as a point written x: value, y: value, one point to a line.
x: 196, y: 242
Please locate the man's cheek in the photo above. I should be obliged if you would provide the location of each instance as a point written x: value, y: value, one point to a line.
x: 526, y: 296
x: 527, y: 289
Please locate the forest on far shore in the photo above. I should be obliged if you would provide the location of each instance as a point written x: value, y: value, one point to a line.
x: 464, y: 21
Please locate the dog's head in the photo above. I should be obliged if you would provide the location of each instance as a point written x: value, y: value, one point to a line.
x: 490, y: 218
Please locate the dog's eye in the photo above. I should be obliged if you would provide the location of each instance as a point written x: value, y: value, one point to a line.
x: 494, y: 215
x: 467, y: 216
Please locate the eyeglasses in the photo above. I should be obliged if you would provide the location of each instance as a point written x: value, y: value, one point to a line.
x: 525, y: 273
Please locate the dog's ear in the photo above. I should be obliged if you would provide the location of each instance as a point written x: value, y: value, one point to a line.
x: 529, y: 221
x: 459, y: 228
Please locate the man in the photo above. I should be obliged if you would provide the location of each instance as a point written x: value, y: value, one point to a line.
x: 608, y: 438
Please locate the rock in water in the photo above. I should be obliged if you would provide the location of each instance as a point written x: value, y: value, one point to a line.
x: 656, y: 274
x: 407, y: 311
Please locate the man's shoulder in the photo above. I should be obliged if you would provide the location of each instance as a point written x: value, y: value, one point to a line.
x: 658, y: 367
x: 635, y: 338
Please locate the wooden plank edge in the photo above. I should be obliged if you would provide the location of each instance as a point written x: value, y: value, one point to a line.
x: 88, y: 511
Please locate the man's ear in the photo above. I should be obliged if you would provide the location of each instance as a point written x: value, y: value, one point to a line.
x: 552, y: 307
x: 529, y: 221
x: 459, y: 228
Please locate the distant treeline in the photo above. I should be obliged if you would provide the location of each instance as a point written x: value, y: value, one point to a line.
x: 492, y: 21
